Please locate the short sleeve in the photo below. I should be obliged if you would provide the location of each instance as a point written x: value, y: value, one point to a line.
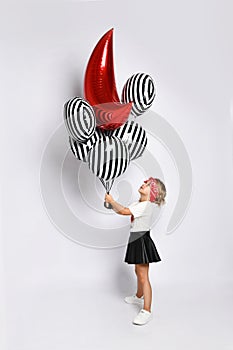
x: 138, y: 208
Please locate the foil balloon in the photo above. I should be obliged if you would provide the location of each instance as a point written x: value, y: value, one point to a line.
x: 140, y: 89
x: 134, y: 136
x: 81, y: 149
x: 100, y: 86
x: 79, y: 119
x: 110, y: 116
x: 108, y: 159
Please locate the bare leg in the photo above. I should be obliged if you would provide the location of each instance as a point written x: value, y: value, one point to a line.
x: 139, y: 293
x: 143, y: 276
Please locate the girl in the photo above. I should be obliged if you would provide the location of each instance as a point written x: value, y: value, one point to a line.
x: 141, y: 249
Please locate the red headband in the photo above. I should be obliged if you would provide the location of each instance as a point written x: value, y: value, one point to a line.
x: 154, y: 189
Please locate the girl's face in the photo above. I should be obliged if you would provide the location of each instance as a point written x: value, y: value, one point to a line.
x: 145, y: 189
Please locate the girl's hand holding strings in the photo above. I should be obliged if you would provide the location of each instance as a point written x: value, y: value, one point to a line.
x: 108, y: 198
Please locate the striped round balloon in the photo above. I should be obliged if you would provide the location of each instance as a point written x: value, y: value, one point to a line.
x: 79, y: 118
x: 139, y: 89
x: 109, y: 158
x: 80, y: 149
x: 134, y: 136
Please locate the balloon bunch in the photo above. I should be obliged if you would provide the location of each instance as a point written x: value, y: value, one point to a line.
x: 98, y: 126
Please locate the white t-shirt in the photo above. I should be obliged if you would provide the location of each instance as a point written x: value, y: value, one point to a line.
x: 142, y: 212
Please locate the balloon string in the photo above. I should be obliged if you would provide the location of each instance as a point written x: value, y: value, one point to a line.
x: 103, y: 183
x: 107, y: 185
x: 110, y: 186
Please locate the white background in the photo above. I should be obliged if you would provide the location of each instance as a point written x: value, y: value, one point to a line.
x: 57, y: 294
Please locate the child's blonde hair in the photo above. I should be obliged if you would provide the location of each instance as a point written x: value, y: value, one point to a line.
x: 160, y: 199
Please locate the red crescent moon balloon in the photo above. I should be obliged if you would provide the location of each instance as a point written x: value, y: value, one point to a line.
x: 100, y: 86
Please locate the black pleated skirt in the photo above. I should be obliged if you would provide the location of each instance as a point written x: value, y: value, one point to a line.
x: 141, y: 249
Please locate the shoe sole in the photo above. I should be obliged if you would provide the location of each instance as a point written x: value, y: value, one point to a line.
x: 134, y: 302
x: 142, y: 324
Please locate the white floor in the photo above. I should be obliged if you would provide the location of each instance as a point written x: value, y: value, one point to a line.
x: 75, y: 316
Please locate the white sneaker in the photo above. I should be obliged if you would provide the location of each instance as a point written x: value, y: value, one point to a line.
x: 143, y: 317
x: 133, y: 299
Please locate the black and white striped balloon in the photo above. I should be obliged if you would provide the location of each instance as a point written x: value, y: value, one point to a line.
x: 134, y: 136
x: 108, y: 158
x: 79, y: 118
x: 139, y: 89
x: 81, y: 149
